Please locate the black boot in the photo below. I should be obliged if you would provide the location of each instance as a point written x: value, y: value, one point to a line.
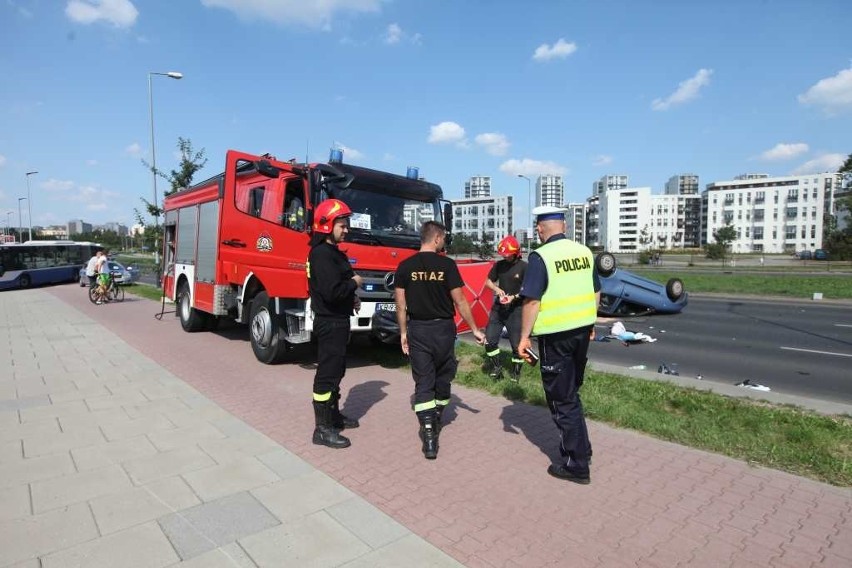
x: 340, y: 421
x: 493, y: 367
x: 439, y: 413
x: 515, y: 375
x: 428, y: 433
x: 325, y: 434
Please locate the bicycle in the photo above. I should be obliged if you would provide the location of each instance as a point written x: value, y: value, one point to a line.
x: 113, y: 292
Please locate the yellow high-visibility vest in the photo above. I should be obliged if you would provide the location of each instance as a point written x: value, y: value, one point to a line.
x: 569, y: 301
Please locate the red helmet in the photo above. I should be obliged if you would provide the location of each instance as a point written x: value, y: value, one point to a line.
x: 508, y: 247
x: 326, y: 213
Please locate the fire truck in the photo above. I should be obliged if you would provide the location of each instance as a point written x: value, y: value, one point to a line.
x: 235, y: 246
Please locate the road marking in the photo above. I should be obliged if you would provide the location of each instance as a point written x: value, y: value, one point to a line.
x: 815, y: 351
x: 843, y: 324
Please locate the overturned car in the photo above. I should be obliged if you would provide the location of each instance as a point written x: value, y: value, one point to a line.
x: 624, y: 293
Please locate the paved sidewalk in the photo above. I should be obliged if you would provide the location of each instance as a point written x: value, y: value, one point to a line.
x: 486, y: 501
x: 107, y: 459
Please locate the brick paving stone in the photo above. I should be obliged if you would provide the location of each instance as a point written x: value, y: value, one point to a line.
x: 34, y: 469
x: 34, y: 535
x: 142, y: 546
x: 231, y: 477
x: 14, y: 502
x: 62, y: 491
x: 165, y: 464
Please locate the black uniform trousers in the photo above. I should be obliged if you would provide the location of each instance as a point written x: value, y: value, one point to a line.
x: 500, y: 317
x: 563, y: 362
x: 332, y: 339
x: 431, y: 349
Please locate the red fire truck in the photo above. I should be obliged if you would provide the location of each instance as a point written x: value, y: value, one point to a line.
x: 235, y: 246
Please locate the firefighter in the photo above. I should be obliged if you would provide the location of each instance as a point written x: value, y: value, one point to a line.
x: 428, y: 284
x: 332, y: 284
x: 561, y: 293
x: 505, y: 280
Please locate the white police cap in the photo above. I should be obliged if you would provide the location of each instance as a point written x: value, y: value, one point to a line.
x: 549, y: 212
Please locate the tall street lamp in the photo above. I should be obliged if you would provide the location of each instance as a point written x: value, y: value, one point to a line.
x: 30, y: 204
x: 20, y: 226
x: 529, y: 209
x: 171, y: 75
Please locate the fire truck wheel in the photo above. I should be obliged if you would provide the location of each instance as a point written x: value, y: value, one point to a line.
x: 267, y: 339
x: 190, y: 319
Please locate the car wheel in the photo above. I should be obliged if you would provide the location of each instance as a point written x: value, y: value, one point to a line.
x: 267, y: 339
x: 190, y: 319
x: 674, y: 289
x: 24, y: 281
x: 605, y: 263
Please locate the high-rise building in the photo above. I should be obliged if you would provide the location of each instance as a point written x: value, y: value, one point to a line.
x: 549, y: 190
x: 78, y: 227
x: 770, y: 214
x: 609, y: 182
x: 575, y: 222
x: 683, y: 184
x: 477, y: 186
x: 490, y: 215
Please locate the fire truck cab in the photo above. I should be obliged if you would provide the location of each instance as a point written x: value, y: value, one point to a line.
x: 235, y: 245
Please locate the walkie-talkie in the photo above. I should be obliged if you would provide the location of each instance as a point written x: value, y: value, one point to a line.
x: 533, y: 355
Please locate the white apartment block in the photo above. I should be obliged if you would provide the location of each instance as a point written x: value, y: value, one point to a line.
x: 575, y: 222
x: 770, y: 214
x: 78, y: 226
x: 475, y: 216
x: 608, y: 183
x: 683, y: 184
x: 673, y: 222
x: 477, y: 186
x: 415, y: 215
x: 593, y: 220
x: 623, y: 215
x: 549, y: 190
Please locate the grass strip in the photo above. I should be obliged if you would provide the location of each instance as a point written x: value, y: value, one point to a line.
x: 770, y: 284
x: 145, y: 290
x: 780, y: 437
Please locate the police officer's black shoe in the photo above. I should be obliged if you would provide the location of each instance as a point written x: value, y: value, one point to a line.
x: 325, y: 434
x: 569, y: 474
x: 428, y: 434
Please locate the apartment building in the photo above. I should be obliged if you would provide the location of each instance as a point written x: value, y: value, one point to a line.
x: 608, y: 183
x: 489, y: 215
x: 549, y: 190
x: 770, y: 214
x: 575, y: 221
x: 78, y: 226
x: 477, y: 186
x: 683, y: 184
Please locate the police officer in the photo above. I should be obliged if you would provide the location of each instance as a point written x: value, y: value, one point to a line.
x: 427, y: 286
x: 505, y: 280
x: 332, y: 284
x: 561, y: 292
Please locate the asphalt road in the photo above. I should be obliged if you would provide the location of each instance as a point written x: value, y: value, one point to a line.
x: 793, y: 347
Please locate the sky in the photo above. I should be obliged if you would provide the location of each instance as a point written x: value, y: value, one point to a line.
x: 646, y: 88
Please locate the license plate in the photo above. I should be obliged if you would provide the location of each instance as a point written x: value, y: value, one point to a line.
x: 385, y: 307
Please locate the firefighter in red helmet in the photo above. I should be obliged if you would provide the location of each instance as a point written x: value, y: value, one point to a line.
x: 505, y: 280
x: 332, y: 285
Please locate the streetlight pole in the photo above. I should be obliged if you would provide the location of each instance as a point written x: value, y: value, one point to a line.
x: 20, y: 225
x: 171, y: 75
x: 529, y: 209
x: 30, y: 204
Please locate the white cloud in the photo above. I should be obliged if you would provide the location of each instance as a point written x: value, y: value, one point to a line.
x: 529, y: 167
x: 833, y: 94
x: 57, y: 185
x: 134, y: 150
x: 91, y: 162
x: 119, y: 13
x: 602, y: 160
x: 395, y: 34
x: 315, y: 14
x: 559, y: 50
x: 784, y: 151
x: 349, y: 154
x: 97, y: 207
x: 447, y: 132
x: 20, y: 9
x: 686, y: 90
x: 494, y: 143
x: 820, y: 164
x: 2, y: 160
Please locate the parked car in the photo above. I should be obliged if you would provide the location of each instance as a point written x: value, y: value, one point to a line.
x: 804, y: 255
x: 121, y: 274
x: 820, y: 254
x: 624, y: 293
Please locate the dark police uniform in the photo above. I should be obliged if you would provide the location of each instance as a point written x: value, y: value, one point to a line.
x: 509, y: 275
x: 563, y: 356
x: 427, y: 279
x: 332, y: 291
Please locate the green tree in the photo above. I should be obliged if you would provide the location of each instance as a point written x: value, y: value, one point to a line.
x: 180, y: 178
x: 461, y: 244
x: 836, y: 240
x: 485, y: 246
x: 723, y: 236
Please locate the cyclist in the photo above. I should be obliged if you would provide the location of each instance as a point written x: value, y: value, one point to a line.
x: 104, y: 278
